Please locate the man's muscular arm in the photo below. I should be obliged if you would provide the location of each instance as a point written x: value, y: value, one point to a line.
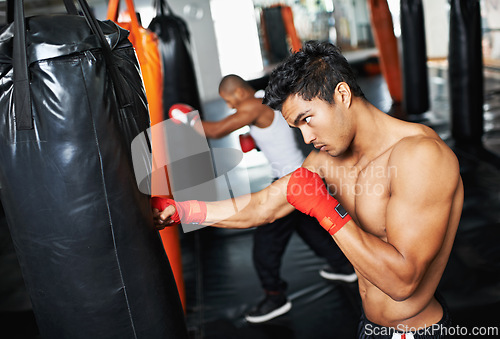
x: 221, y: 128
x: 422, y: 186
x: 245, y: 211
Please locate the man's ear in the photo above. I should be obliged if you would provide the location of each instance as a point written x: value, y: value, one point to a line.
x: 343, y: 94
x: 238, y: 93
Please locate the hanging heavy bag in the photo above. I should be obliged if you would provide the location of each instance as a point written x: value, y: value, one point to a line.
x: 275, y: 34
x: 179, y: 77
x: 91, y: 258
x: 280, y: 36
x: 291, y: 33
x: 14, y: 298
x: 466, y: 72
x: 145, y: 43
x: 387, y: 45
x: 415, y: 79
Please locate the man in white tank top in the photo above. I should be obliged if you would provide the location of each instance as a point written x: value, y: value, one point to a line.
x: 276, y: 140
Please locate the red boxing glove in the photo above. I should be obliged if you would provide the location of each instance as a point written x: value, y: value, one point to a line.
x: 307, y: 193
x: 247, y: 143
x: 179, y: 113
x: 187, y: 212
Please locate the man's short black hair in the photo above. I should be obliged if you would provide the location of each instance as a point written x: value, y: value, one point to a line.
x: 312, y: 72
x: 230, y: 82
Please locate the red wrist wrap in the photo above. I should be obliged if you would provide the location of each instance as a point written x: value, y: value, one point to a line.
x: 336, y: 220
x: 192, y: 211
x: 187, y: 212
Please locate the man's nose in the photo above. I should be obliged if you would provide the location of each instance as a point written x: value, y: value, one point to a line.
x: 308, y: 136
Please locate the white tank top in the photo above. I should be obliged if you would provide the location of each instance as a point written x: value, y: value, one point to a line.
x: 278, y: 143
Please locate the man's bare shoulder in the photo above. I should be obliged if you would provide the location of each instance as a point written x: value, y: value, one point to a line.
x: 425, y: 155
x: 253, y: 104
x: 321, y: 163
x: 423, y: 142
x: 254, y: 107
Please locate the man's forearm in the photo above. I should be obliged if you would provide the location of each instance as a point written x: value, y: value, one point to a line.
x: 250, y: 210
x: 212, y: 130
x: 234, y: 213
x: 246, y: 211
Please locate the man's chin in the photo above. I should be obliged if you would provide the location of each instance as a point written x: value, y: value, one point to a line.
x: 333, y: 153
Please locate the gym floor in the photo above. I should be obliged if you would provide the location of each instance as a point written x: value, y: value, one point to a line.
x: 221, y: 284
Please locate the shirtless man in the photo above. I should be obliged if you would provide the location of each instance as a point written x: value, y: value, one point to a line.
x: 398, y: 182
x: 280, y: 147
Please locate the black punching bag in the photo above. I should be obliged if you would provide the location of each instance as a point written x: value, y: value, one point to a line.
x: 415, y: 78
x: 275, y: 33
x: 70, y: 104
x: 16, y: 313
x: 179, y: 77
x: 466, y: 72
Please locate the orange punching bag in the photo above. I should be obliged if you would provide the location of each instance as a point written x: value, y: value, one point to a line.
x: 146, y: 45
x: 387, y: 45
x: 278, y: 32
x: 286, y: 13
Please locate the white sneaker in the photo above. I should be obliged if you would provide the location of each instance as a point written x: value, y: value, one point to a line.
x: 269, y: 308
x: 328, y: 274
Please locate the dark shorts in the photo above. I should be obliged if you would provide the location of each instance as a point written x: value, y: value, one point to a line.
x: 369, y: 330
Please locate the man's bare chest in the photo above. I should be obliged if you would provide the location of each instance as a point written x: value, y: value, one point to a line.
x: 364, y: 193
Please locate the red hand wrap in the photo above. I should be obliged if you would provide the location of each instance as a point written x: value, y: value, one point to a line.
x: 187, y: 212
x: 307, y: 193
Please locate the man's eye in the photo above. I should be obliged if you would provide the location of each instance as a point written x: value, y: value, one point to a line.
x: 307, y: 120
